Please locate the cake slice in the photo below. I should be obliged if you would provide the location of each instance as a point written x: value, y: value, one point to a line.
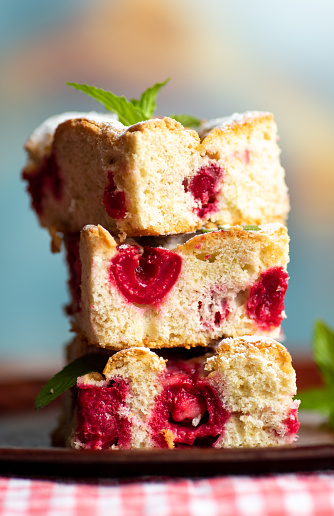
x: 156, y: 177
x: 238, y: 396
x: 221, y: 283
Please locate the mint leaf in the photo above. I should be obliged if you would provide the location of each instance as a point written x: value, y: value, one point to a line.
x: 187, y: 120
x: 323, y: 351
x: 251, y: 227
x: 204, y: 230
x: 67, y: 377
x: 147, y: 102
x: 315, y: 399
x: 322, y: 399
x: 127, y: 112
x: 132, y: 111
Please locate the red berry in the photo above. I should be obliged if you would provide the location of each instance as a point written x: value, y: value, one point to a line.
x: 266, y: 298
x: 114, y: 200
x: 74, y: 265
x: 189, y: 407
x: 205, y: 186
x: 99, y: 423
x: 46, y: 179
x: 145, y: 275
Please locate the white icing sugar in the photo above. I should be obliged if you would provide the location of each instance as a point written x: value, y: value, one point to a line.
x: 251, y: 339
x: 228, y: 121
x: 271, y: 227
x: 42, y: 136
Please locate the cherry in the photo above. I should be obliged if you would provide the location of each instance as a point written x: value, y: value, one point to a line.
x: 74, y: 265
x: 291, y: 422
x: 266, y: 298
x: 205, y: 185
x: 114, y: 200
x: 46, y: 179
x: 144, y: 275
x: 188, y: 406
x: 99, y: 423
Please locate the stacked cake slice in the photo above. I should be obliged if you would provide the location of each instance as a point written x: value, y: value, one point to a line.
x: 175, y: 239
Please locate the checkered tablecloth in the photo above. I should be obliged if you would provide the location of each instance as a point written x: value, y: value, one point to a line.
x: 290, y: 495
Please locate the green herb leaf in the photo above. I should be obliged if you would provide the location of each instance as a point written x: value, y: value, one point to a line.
x: 67, y: 377
x: 132, y: 111
x: 251, y: 227
x: 128, y: 113
x: 315, y: 399
x: 147, y: 102
x: 187, y: 120
x: 322, y: 399
x: 323, y: 351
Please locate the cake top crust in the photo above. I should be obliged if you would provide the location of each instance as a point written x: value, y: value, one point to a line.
x: 252, y: 344
x: 229, y: 122
x: 40, y: 141
x: 129, y: 358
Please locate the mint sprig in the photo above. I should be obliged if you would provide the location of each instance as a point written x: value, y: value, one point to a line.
x: 187, y: 120
x: 321, y: 399
x: 128, y: 112
x: 67, y: 377
x: 250, y: 227
x: 132, y: 111
x: 147, y: 102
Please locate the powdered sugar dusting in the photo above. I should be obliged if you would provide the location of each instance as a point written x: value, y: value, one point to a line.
x: 42, y: 137
x: 250, y: 339
x: 228, y: 121
x: 272, y: 227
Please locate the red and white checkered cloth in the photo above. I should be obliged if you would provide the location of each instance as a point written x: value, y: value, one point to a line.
x: 281, y: 495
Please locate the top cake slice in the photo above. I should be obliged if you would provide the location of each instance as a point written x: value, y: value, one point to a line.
x: 155, y: 177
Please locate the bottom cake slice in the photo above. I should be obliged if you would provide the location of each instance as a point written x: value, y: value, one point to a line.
x: 240, y: 395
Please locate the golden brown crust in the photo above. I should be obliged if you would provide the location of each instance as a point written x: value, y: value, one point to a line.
x: 163, y: 124
x: 160, y: 343
x: 96, y: 239
x: 201, y: 340
x: 265, y: 346
x: 210, y: 239
x: 95, y: 129
x: 126, y: 357
x: 169, y: 438
x: 177, y: 229
x: 243, y: 125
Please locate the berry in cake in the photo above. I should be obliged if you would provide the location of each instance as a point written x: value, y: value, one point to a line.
x: 222, y: 283
x: 144, y: 275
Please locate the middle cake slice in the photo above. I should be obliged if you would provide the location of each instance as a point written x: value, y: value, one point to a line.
x: 222, y: 283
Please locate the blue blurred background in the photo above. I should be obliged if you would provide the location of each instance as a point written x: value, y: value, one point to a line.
x: 223, y: 57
